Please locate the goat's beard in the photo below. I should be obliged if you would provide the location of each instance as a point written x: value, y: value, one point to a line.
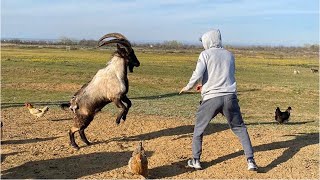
x: 131, y: 68
x: 131, y: 65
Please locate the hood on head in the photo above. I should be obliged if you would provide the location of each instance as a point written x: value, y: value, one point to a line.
x: 212, y: 39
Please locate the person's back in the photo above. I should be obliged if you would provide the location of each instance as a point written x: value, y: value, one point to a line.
x: 216, y: 69
x: 218, y: 79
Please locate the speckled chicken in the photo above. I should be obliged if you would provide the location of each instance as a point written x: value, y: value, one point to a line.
x: 138, y: 163
x: 37, y: 112
x: 282, y: 117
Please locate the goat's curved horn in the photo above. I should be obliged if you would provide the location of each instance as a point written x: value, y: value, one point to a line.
x: 115, y: 35
x: 123, y: 42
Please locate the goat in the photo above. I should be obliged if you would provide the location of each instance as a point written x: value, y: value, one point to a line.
x: 110, y: 84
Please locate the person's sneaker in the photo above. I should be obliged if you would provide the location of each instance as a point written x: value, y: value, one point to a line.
x: 252, y: 166
x: 194, y: 163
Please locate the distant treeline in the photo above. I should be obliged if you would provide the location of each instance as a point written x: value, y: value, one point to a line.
x: 174, y: 44
x: 93, y: 43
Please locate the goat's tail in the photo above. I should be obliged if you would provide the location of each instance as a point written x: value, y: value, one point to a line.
x: 65, y: 105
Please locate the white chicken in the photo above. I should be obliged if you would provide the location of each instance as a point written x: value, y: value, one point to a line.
x: 37, y: 112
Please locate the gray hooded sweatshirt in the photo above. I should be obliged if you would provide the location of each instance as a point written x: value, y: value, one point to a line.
x: 215, y: 68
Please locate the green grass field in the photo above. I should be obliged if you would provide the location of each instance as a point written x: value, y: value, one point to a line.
x: 48, y: 75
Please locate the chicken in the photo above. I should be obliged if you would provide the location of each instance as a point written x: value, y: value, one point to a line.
x: 282, y: 117
x: 314, y: 70
x: 35, y: 111
x: 296, y: 72
x: 138, y: 163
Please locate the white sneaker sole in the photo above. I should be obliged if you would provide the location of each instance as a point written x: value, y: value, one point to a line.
x: 192, y: 166
x: 253, y: 169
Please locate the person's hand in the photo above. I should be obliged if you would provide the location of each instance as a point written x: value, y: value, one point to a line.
x: 183, y: 90
x: 199, y: 87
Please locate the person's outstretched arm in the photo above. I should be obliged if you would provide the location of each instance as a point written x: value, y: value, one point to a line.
x: 197, y: 74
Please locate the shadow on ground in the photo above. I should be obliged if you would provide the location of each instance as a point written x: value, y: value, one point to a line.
x: 276, y: 123
x: 61, y: 119
x: 4, y: 156
x: 25, y: 141
x: 292, y: 147
x: 87, y: 164
x: 69, y: 167
x: 181, y: 131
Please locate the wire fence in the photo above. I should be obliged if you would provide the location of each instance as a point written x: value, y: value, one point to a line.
x: 18, y: 104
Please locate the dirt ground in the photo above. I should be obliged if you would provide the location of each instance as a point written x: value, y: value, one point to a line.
x: 39, y: 148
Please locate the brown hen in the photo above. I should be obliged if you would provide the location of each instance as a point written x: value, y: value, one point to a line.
x: 138, y: 163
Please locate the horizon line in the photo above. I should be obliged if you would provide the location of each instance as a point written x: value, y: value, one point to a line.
x: 185, y: 42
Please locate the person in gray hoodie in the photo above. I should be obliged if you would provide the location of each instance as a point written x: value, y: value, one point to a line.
x: 215, y: 70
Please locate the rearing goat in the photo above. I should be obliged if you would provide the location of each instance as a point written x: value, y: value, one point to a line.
x: 110, y: 84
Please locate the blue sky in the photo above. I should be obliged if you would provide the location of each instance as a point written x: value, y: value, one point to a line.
x: 244, y: 22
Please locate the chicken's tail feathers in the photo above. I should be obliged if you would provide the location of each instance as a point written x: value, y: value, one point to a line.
x: 277, y: 114
x: 64, y: 106
x: 45, y: 109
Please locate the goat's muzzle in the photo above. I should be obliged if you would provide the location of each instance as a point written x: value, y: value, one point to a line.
x: 131, y: 65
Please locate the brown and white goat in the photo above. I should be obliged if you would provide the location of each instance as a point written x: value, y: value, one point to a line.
x: 110, y: 84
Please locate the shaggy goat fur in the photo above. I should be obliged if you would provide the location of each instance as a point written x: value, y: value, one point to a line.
x: 110, y: 84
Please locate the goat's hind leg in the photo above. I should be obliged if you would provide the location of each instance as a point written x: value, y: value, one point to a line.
x: 83, y: 136
x: 71, y: 136
x: 119, y: 104
x: 128, y: 102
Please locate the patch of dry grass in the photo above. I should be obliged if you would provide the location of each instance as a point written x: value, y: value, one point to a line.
x: 263, y: 83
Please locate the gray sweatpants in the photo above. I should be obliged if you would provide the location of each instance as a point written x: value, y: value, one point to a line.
x: 228, y: 105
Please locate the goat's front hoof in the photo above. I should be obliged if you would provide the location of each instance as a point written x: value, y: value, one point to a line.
x: 124, y: 118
